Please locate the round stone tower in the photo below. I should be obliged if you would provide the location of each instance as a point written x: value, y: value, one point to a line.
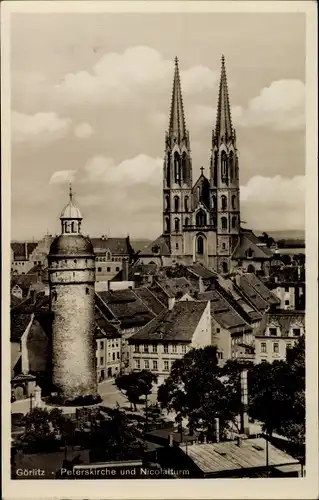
x: 72, y: 277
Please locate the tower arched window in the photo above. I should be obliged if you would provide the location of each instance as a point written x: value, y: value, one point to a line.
x: 231, y: 165
x: 233, y: 222
x: 176, y: 225
x: 167, y: 228
x: 224, y: 165
x: 200, y: 245
x: 233, y: 201
x: 225, y: 267
x: 251, y: 268
x: 176, y: 203
x: 177, y: 168
x: 224, y: 223
x: 215, y: 168
x: 200, y: 218
x: 187, y: 221
x: 168, y: 170
x: 214, y: 201
x: 184, y: 167
x: 224, y: 202
x: 166, y: 203
x: 186, y: 204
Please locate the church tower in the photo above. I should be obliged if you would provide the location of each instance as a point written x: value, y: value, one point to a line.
x: 224, y: 179
x: 72, y: 299
x: 177, y: 178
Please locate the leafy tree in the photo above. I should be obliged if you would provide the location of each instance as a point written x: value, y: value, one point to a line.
x: 195, y: 390
x: 136, y: 384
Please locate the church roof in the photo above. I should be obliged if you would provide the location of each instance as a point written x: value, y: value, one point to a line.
x: 177, y: 324
x: 249, y: 241
x: 161, y: 244
x: 223, y: 121
x: 177, y: 127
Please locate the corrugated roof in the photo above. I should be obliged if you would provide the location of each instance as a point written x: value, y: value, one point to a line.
x: 177, y: 324
x: 228, y: 456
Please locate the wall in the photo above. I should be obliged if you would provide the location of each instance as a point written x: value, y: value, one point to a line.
x: 221, y: 338
x: 37, y: 345
x: 270, y: 355
x: 203, y: 333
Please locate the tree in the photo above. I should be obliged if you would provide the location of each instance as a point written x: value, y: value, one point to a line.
x: 136, y: 384
x: 195, y: 390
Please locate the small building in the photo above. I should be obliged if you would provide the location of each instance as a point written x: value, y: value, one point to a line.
x: 108, y: 348
x: 289, y: 285
x: 170, y: 336
x: 278, y: 331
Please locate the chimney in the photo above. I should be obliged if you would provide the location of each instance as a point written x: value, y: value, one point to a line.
x: 125, y: 271
x: 171, y: 303
x: 244, y: 424
x: 217, y: 430
x: 26, y: 250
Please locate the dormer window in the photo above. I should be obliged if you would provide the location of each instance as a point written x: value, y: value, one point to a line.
x: 273, y: 332
x: 296, y: 332
x: 155, y: 249
x: 249, y: 253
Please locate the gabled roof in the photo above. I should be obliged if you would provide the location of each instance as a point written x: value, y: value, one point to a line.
x: 173, y: 286
x: 203, y: 183
x: 201, y: 271
x: 104, y: 329
x: 124, y: 306
x: 117, y: 246
x: 223, y: 312
x: 162, y: 245
x: 149, y: 299
x: 228, y: 288
x: 263, y: 291
x: 177, y: 324
x: 260, y: 303
x: 285, y: 318
x: 142, y: 270
x: 249, y: 241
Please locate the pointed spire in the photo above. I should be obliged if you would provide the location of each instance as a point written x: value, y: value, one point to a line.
x: 223, y: 122
x: 177, y: 125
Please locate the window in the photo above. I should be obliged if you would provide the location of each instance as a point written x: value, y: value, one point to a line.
x: 296, y: 332
x: 224, y: 162
x: 263, y: 347
x: 118, y: 355
x: 176, y: 225
x: 136, y: 348
x: 166, y: 202
x: 217, y: 330
x: 166, y: 366
x: 176, y: 246
x: 101, y: 344
x: 108, y: 269
x: 220, y: 355
x: 224, y: 202
x: 187, y: 221
x: 184, y: 167
x: 213, y: 201
x: 155, y: 365
x: 200, y: 245
x: 233, y: 222
x: 174, y: 348
x: 224, y: 246
x: 167, y: 228
x: 286, y: 288
x: 186, y: 203
x: 199, y: 193
x: 137, y: 364
x: 146, y: 348
x: 117, y: 269
x: 87, y: 291
x: 101, y: 361
x: 113, y: 356
x: 154, y: 346
x: 183, y: 349
x: 251, y: 269
x: 225, y: 267
x: 146, y: 364
x: 249, y: 253
x: 201, y: 218
x: 168, y: 168
x: 165, y: 349
x: 224, y: 223
x: 276, y: 347
x: 287, y: 302
x: 231, y: 165
x: 177, y: 168
x: 288, y: 346
x: 273, y: 332
x: 176, y: 203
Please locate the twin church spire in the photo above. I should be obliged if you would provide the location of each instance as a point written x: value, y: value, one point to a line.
x: 224, y: 127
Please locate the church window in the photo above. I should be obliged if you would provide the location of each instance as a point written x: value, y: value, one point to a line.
x: 200, y: 245
x: 187, y: 221
x: 184, y: 167
x: 224, y: 223
x: 176, y: 223
x: 176, y: 203
x: 213, y: 201
x: 166, y: 202
x: 99, y: 269
x: 201, y: 218
x: 224, y: 202
x: 231, y: 165
x: 117, y: 269
x: 199, y: 192
x: 176, y: 246
x: 87, y: 291
x: 167, y: 225
x: 233, y: 201
x: 224, y: 162
x: 168, y: 170
x: 186, y: 203
x: 215, y: 168
x: 74, y: 261
x: 233, y: 223
x: 251, y: 269
x: 224, y: 246
x: 177, y: 168
x: 225, y: 267
x: 108, y: 269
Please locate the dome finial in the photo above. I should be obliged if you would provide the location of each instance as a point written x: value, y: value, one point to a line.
x: 70, y: 192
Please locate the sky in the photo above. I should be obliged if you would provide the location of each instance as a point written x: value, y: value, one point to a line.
x: 90, y: 97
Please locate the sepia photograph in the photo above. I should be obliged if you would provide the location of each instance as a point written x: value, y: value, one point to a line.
x: 156, y: 253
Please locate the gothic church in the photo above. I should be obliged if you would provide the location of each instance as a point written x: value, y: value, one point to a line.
x: 201, y: 221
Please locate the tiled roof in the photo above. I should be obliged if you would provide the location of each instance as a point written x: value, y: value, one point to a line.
x: 228, y: 456
x: 223, y: 312
x: 259, y: 286
x: 177, y: 324
x: 255, y: 298
x: 108, y: 330
x: 173, y: 286
x: 19, y: 249
x: 142, y: 270
x: 227, y: 286
x: 24, y: 281
x: 162, y: 243
x: 117, y: 246
x: 284, y: 318
x: 151, y: 301
x: 19, y: 323
x: 248, y: 240
x: 201, y: 271
x: 124, y: 306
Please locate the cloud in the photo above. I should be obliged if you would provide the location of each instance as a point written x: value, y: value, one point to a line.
x: 41, y: 128
x: 131, y: 76
x: 281, y: 106
x: 62, y: 176
x: 274, y: 203
x: 83, y: 131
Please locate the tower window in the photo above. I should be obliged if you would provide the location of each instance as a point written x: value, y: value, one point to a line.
x: 167, y: 228
x: 199, y: 193
x: 201, y: 218
x: 176, y: 223
x: 176, y: 246
x: 200, y: 245
x: 187, y: 221
x: 168, y: 170
x: 99, y: 269
x: 233, y: 201
x: 184, y: 167
x: 177, y: 168
x: 224, y: 246
x: 213, y: 201
x: 225, y: 267
x: 74, y: 261
x: 224, y: 223
x: 224, y: 162
x: 108, y: 269
x: 176, y: 203
x: 233, y: 222
x: 87, y: 291
x: 224, y: 202
x: 166, y: 202
x: 231, y: 165
x: 186, y: 203
x: 251, y: 269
